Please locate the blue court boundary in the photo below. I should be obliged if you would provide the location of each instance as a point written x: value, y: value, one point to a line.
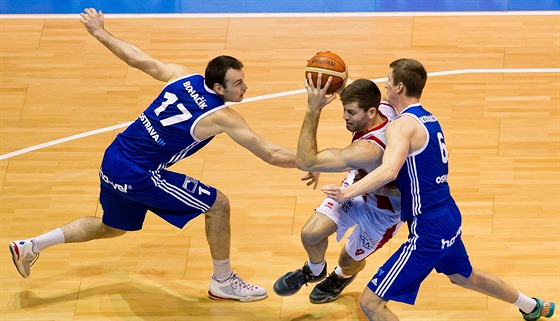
x: 270, y: 6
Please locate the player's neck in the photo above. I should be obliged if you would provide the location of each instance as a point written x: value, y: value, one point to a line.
x: 377, y: 121
x: 404, y: 102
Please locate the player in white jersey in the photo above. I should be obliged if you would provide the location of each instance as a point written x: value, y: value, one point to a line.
x: 417, y: 157
x: 134, y: 178
x: 375, y: 217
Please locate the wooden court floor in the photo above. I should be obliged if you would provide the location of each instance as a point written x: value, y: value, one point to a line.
x: 502, y: 129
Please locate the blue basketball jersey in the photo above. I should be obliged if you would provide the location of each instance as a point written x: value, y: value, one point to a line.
x: 423, y: 178
x: 164, y: 133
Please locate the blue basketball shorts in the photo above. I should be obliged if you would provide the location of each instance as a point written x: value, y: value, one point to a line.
x: 434, y: 242
x: 129, y: 191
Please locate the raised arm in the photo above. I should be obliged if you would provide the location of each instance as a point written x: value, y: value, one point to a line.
x: 127, y: 52
x: 357, y: 155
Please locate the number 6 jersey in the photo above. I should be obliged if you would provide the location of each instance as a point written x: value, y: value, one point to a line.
x: 423, y: 178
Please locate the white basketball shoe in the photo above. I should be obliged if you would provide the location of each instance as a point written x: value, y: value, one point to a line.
x: 23, y: 256
x: 234, y: 288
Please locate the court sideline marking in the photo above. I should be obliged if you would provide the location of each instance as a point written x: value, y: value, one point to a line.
x: 288, y: 14
x: 269, y: 96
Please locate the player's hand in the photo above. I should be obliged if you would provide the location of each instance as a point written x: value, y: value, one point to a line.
x: 312, y: 178
x: 335, y: 192
x: 317, y: 96
x: 92, y: 20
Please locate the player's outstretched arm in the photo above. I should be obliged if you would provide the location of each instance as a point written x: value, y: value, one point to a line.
x: 399, y: 135
x: 127, y: 52
x: 235, y: 126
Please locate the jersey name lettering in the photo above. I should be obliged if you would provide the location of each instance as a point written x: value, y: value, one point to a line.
x: 198, y: 99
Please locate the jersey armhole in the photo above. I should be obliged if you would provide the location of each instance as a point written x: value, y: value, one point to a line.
x: 201, y: 117
x: 425, y: 130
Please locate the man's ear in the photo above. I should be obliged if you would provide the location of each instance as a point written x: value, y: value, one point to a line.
x: 372, y: 111
x: 219, y: 89
x: 400, y: 88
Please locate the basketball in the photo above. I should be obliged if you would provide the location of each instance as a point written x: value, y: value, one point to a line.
x: 329, y: 64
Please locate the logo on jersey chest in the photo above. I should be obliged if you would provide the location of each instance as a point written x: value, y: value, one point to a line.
x: 150, y: 129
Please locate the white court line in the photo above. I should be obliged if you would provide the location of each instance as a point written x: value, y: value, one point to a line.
x: 281, y: 94
x: 288, y: 14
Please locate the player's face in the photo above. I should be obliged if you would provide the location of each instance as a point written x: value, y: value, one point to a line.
x: 235, y: 86
x: 391, y: 89
x: 357, y: 119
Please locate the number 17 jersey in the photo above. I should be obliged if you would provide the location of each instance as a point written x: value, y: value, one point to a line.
x: 164, y: 133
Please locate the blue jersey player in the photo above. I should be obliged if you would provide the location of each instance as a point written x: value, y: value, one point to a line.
x: 417, y: 157
x: 134, y: 175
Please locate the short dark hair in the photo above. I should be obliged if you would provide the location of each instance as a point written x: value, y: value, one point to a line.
x: 411, y: 73
x: 364, y: 91
x: 217, y: 68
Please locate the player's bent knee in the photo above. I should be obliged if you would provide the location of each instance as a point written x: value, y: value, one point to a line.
x: 109, y: 232
x: 370, y: 303
x: 318, y: 228
x: 221, y: 205
x: 309, y: 235
x: 460, y: 280
x: 346, y: 262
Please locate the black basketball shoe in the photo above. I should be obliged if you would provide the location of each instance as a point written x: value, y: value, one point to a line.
x: 330, y: 288
x: 291, y: 282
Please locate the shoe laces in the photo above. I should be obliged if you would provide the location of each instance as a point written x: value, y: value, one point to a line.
x: 299, y: 277
x: 332, y: 282
x: 240, y: 283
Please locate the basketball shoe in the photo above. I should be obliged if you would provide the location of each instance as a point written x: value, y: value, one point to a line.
x: 543, y: 309
x: 291, y: 282
x: 23, y: 256
x: 330, y: 288
x: 234, y: 288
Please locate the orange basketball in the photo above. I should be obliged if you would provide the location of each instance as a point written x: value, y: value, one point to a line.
x: 329, y: 64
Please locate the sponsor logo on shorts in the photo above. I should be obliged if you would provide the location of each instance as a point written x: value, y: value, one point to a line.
x: 123, y: 188
x: 347, y: 205
x: 190, y: 184
x: 448, y: 243
x: 366, y: 242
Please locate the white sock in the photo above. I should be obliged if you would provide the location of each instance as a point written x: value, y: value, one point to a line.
x: 222, y: 269
x: 525, y: 303
x: 338, y: 271
x: 316, y: 268
x: 48, y: 239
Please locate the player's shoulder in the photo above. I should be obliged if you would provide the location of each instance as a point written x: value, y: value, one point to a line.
x: 186, y: 76
x: 387, y: 110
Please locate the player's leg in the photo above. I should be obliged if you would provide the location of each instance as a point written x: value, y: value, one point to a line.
x: 178, y: 199
x: 375, y: 308
x: 86, y: 229
x: 225, y: 284
x: 348, y: 265
x: 489, y: 284
x: 331, y: 287
x: 26, y: 252
x: 375, y: 227
x: 314, y: 236
x: 315, y: 239
x: 458, y: 269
